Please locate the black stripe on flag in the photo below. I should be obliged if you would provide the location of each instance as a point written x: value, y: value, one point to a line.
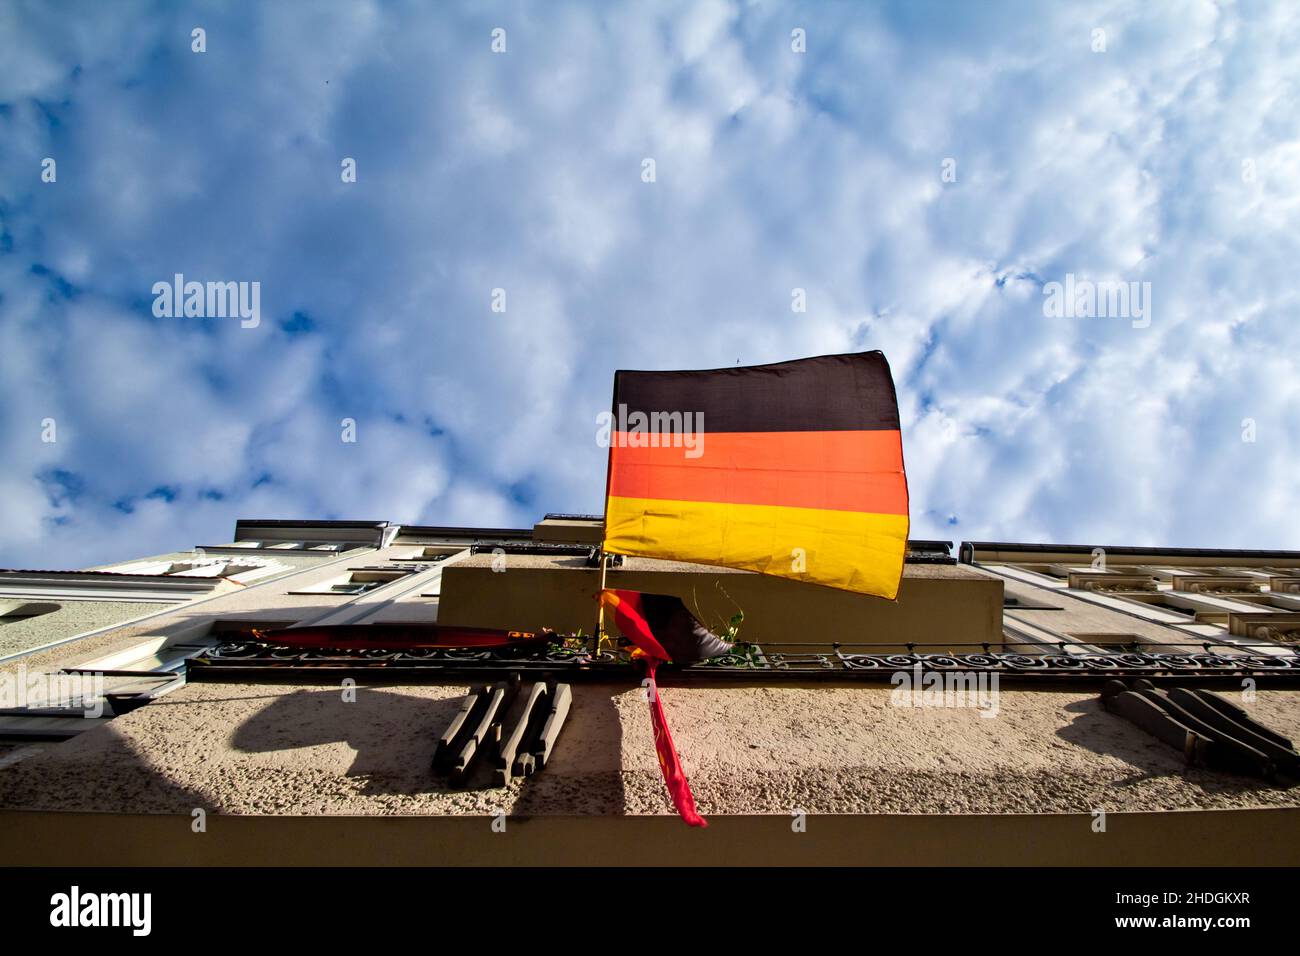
x: 829, y: 393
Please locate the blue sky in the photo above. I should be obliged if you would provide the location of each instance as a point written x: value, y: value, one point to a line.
x: 1171, y: 157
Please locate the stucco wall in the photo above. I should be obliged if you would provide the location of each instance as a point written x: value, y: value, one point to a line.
x: 267, y: 748
x: 72, y: 618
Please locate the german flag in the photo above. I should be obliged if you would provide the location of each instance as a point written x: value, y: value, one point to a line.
x: 793, y: 469
x: 662, y: 627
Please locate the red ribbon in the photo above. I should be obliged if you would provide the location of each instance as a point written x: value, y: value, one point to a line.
x: 679, y: 787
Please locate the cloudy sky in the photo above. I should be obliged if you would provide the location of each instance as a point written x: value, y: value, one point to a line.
x: 923, y: 172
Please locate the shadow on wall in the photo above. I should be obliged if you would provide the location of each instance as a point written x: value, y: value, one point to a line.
x: 271, y: 762
x: 1104, y: 733
x: 585, y: 772
x: 394, y: 736
x: 97, y: 771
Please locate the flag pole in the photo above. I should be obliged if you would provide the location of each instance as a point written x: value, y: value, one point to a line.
x: 600, y: 608
x: 604, y: 530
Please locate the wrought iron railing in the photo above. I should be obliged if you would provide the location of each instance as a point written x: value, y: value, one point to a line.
x: 246, y: 659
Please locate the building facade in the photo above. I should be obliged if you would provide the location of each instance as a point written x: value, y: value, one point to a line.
x: 807, y: 733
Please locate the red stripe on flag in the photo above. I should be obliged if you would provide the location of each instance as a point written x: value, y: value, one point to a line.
x: 830, y: 471
x: 627, y: 615
x: 679, y: 788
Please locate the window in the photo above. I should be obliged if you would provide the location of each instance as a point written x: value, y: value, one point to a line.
x: 1027, y: 603
x: 427, y: 554
x: 1048, y: 570
x: 358, y: 581
x: 239, y: 570
x: 1119, y: 641
x: 352, y: 586
x: 1158, y: 601
x: 210, y: 569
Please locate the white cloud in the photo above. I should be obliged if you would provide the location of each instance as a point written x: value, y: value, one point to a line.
x: 521, y: 171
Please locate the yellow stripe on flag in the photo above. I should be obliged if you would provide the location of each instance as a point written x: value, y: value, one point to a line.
x: 853, y: 550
